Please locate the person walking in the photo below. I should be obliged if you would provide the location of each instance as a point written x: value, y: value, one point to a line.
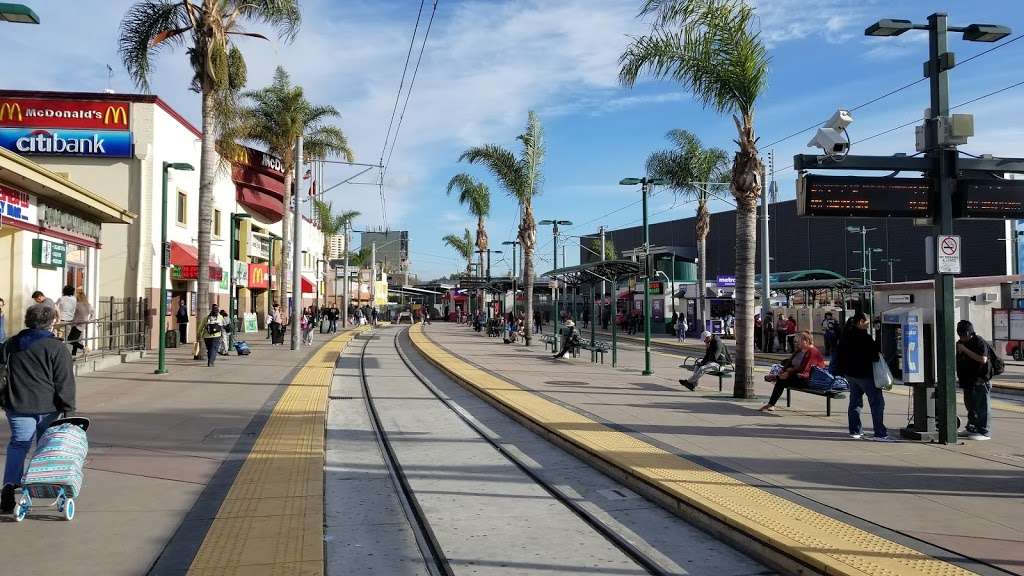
x: 225, y: 337
x: 332, y: 319
x: 306, y: 324
x: 769, y: 334
x: 182, y: 317
x: 780, y: 332
x: 974, y: 371
x: 855, y: 360
x: 65, y: 311
x: 40, y: 386
x: 41, y: 298
x: 715, y: 354
x: 681, y: 328
x: 79, y: 322
x: 211, y: 331
x: 796, y: 372
x: 830, y: 333
x: 536, y: 322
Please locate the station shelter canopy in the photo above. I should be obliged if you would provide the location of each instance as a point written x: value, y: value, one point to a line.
x: 594, y: 272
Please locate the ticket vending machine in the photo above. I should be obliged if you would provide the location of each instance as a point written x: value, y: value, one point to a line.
x: 907, y: 348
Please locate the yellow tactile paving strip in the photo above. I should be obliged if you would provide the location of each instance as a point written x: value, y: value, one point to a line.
x: 271, y: 521
x: 823, y: 543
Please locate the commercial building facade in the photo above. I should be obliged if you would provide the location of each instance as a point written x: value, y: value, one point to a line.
x: 117, y: 145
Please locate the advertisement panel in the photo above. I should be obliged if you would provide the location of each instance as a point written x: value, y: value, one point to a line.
x: 259, y: 276
x: 67, y: 142
x: 56, y: 113
x: 16, y: 205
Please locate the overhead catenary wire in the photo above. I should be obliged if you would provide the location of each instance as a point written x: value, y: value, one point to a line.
x: 405, y: 105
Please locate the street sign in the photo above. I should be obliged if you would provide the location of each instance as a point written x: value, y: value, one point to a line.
x: 993, y: 199
x: 947, y: 253
x: 901, y: 298
x: 862, y: 196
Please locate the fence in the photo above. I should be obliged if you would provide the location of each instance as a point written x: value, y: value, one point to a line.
x: 121, y: 325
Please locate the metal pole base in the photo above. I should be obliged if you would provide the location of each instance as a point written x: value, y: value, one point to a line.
x: 647, y: 372
x: 159, y: 371
x: 919, y: 435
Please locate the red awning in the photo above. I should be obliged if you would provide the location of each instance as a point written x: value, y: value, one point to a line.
x: 186, y: 258
x: 307, y: 286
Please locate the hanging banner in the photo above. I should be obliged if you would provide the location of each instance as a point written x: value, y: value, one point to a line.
x: 17, y: 205
x: 240, y: 271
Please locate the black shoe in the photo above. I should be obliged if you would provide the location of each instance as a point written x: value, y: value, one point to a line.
x: 690, y: 386
x: 7, y: 499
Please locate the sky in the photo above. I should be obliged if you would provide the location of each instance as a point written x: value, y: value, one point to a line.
x: 486, y: 63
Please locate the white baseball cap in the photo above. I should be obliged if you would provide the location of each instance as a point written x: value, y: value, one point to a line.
x: 705, y: 335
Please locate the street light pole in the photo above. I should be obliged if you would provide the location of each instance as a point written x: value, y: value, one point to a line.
x: 165, y: 262
x: 515, y: 245
x: 233, y: 252
x: 646, y: 183
x: 554, y: 266
x: 344, y: 287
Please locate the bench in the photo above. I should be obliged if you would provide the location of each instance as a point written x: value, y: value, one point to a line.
x: 726, y: 370
x: 549, y: 341
x: 597, y: 346
x: 828, y: 394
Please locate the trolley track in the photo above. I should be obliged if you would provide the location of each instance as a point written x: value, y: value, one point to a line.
x: 426, y: 537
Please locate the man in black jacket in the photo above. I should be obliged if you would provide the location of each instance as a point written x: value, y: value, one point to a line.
x: 40, y: 386
x: 974, y: 374
x: 714, y: 357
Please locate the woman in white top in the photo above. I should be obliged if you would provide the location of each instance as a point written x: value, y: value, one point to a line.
x: 79, y: 321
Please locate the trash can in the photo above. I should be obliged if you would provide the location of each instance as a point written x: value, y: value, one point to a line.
x: 171, y: 339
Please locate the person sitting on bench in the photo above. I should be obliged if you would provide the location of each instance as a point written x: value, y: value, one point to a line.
x: 797, y: 370
x: 715, y: 354
x: 570, y: 337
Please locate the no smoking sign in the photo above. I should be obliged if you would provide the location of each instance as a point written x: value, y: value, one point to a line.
x: 948, y: 254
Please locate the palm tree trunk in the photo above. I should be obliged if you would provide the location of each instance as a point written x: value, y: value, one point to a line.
x: 703, y: 225
x: 528, y: 238
x: 207, y: 172
x: 746, y: 188
x: 286, y: 237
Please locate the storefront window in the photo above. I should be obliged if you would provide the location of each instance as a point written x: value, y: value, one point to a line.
x: 216, y: 223
x: 76, y: 267
x: 182, y: 216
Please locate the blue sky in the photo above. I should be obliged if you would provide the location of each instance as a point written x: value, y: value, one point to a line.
x: 487, y: 63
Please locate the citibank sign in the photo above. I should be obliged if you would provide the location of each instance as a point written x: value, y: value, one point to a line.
x: 67, y: 142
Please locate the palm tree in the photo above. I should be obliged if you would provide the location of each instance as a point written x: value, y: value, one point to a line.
x: 204, y: 28
x: 714, y: 48
x: 609, y: 249
x: 477, y: 197
x: 690, y: 170
x: 331, y: 224
x: 463, y: 245
x: 521, y: 178
x: 276, y: 116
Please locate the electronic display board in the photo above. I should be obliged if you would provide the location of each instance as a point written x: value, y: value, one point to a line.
x: 863, y: 196
x: 993, y: 199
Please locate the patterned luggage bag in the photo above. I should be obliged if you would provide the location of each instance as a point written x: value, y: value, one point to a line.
x: 58, y: 462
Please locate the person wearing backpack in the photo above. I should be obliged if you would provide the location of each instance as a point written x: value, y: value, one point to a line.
x: 976, y: 364
x: 211, y: 329
x: 715, y: 354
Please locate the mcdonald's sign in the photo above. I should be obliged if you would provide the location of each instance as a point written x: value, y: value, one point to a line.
x: 64, y: 113
x: 259, y: 276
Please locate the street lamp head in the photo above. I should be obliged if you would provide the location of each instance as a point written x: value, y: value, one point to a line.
x: 985, y: 32
x: 17, y: 13
x: 658, y: 181
x: 185, y: 166
x: 630, y: 181
x: 888, y: 27
x: 563, y: 222
x: 853, y: 229
x: 545, y: 222
x: 510, y: 243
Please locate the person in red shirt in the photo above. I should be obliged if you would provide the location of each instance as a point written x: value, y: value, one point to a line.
x: 791, y: 334
x: 798, y: 371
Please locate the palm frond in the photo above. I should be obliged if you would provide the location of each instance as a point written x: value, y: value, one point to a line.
x: 283, y: 15
x: 327, y: 142
x: 501, y: 163
x: 533, y: 153
x: 710, y: 46
x: 146, y: 28
x: 462, y: 245
x: 472, y: 193
x: 688, y: 163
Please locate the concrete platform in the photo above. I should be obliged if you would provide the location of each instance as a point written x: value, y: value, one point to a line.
x: 960, y: 503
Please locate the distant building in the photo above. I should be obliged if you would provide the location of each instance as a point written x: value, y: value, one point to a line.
x: 802, y: 243
x: 392, y: 249
x: 336, y: 247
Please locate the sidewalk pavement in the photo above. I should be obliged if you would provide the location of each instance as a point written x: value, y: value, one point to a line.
x: 163, y: 449
x: 966, y: 498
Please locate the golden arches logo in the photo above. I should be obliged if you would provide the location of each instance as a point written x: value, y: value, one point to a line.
x: 10, y: 111
x: 257, y: 276
x: 117, y: 115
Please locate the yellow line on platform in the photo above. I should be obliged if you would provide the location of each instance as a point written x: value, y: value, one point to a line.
x: 271, y: 521
x: 823, y: 543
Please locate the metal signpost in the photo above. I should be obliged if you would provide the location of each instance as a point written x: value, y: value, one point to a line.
x: 942, y: 164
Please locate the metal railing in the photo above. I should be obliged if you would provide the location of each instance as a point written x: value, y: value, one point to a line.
x: 122, y: 325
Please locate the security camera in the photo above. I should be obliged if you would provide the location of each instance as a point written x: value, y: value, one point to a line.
x: 832, y: 137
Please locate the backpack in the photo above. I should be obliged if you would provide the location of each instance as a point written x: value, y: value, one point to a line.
x: 726, y: 356
x: 996, y: 366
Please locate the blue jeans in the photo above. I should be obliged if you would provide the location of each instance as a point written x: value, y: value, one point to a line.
x: 858, y: 388
x: 976, y: 399
x: 24, y: 427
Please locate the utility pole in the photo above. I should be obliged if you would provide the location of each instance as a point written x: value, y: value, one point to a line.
x: 296, y: 311
x: 515, y: 248
x: 766, y: 283
x: 890, y: 262
x: 344, y: 286
x: 604, y: 287
x: 373, y: 274
x: 554, y: 293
